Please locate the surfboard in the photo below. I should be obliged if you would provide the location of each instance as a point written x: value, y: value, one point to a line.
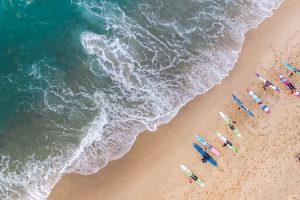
x: 264, y: 81
x: 257, y: 100
x: 231, y: 125
x: 291, y: 67
x: 240, y: 103
x: 227, y: 142
x: 192, y: 175
x: 207, y: 145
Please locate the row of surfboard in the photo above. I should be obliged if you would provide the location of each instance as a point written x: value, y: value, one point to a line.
x: 235, y: 131
x: 258, y: 101
x: 207, y: 145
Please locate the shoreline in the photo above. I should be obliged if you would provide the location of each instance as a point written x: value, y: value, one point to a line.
x: 146, y: 164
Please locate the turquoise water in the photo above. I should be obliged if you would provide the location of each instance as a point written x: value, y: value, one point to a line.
x: 79, y: 79
x: 37, y: 46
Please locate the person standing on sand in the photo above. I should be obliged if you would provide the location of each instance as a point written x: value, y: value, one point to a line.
x: 231, y: 125
x: 266, y: 84
x: 292, y: 73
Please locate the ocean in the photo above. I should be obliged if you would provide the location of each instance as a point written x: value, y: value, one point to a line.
x: 79, y: 79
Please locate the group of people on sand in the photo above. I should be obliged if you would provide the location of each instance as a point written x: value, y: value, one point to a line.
x: 265, y: 85
x: 289, y: 85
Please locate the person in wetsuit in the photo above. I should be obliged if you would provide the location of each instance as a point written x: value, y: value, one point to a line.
x: 292, y: 73
x: 205, y: 158
x: 231, y: 125
x: 266, y: 84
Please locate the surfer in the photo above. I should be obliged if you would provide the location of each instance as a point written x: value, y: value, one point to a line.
x: 227, y: 143
x: 193, y: 177
x: 205, y: 157
x: 231, y: 125
x: 204, y: 160
x: 266, y: 84
x: 292, y: 73
x: 292, y: 88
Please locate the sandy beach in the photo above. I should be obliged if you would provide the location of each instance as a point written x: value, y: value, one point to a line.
x: 266, y: 166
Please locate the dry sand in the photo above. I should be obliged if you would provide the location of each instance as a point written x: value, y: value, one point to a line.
x: 265, y: 168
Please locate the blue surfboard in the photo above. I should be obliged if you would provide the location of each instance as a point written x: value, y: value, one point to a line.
x: 240, y: 103
x: 205, y: 154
